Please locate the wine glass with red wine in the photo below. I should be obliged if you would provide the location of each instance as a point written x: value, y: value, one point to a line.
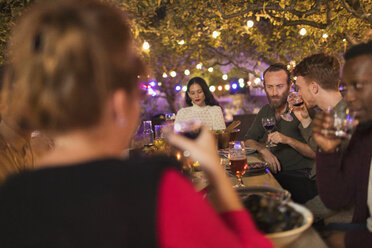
x: 296, y: 101
x: 237, y: 161
x: 269, y: 123
x: 190, y: 129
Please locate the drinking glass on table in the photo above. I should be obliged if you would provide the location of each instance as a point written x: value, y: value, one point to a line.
x: 159, y: 141
x: 237, y: 161
x: 269, y: 123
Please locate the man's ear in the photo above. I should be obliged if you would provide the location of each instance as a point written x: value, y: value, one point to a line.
x: 314, y: 87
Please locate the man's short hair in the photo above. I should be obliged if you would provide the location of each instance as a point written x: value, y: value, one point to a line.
x: 278, y: 67
x: 321, y: 68
x: 359, y: 50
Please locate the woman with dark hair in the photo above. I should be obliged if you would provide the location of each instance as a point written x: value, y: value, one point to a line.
x: 75, y: 76
x: 202, y: 106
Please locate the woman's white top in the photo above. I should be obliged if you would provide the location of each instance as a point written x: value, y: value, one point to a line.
x: 210, y: 116
x: 369, y: 199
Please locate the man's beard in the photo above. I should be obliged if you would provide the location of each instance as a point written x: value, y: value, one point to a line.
x: 278, y: 103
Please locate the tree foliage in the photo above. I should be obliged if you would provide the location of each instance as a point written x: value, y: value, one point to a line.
x: 331, y: 27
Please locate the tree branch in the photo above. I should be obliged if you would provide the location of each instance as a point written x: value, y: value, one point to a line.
x: 365, y: 16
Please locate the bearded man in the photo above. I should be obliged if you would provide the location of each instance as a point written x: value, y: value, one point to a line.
x: 291, y: 159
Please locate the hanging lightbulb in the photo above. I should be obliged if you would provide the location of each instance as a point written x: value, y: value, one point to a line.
x: 184, y: 88
x: 212, y: 88
x: 146, y: 45
x: 257, y: 81
x: 303, y: 31
x: 199, y: 66
x: 325, y: 36
x: 187, y: 72
x: 210, y: 69
x: 227, y: 86
x: 250, y: 23
x: 219, y: 88
x: 173, y: 74
x: 225, y: 77
x: 215, y: 34
x: 165, y: 75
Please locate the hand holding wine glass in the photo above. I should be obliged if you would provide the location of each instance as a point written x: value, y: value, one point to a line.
x: 269, y: 123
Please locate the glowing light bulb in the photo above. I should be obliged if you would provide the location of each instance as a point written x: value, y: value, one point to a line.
x: 210, y: 69
x: 199, y: 66
x: 219, y: 88
x: 250, y: 23
x: 173, y: 74
x: 234, y: 86
x: 257, y: 81
x: 184, y: 88
x: 181, y: 42
x: 227, y: 87
x: 325, y: 36
x: 303, y: 31
x: 178, y: 88
x: 146, y: 45
x: 215, y: 34
x: 225, y: 77
x: 187, y: 72
x: 212, y: 88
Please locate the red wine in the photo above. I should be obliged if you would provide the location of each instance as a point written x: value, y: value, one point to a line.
x: 193, y: 134
x: 298, y: 104
x: 238, y: 166
x: 269, y: 127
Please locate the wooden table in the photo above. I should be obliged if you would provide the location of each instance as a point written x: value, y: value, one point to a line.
x: 310, y: 238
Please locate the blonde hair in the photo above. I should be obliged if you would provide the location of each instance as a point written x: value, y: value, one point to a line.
x: 66, y: 58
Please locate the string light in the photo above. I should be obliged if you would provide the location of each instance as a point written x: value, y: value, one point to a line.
x: 199, y: 66
x: 250, y: 23
x: 234, y: 86
x: 210, y: 69
x: 257, y: 81
x: 215, y: 34
x: 227, y: 87
x: 165, y: 75
x: 178, y: 88
x: 152, y: 83
x: 241, y: 84
x: 160, y: 83
x: 241, y: 80
x: 173, y: 74
x: 184, y: 88
x: 219, y: 88
x: 344, y: 40
x: 303, y: 31
x: 181, y: 42
x: 212, y: 88
x: 225, y: 77
x: 249, y: 83
x: 187, y: 72
x: 325, y: 36
x: 146, y: 45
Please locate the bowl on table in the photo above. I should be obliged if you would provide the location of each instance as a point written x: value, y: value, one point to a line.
x: 282, y: 221
x: 282, y: 239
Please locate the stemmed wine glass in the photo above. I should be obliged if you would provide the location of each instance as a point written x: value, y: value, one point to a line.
x: 269, y: 123
x: 237, y: 161
x: 296, y: 101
